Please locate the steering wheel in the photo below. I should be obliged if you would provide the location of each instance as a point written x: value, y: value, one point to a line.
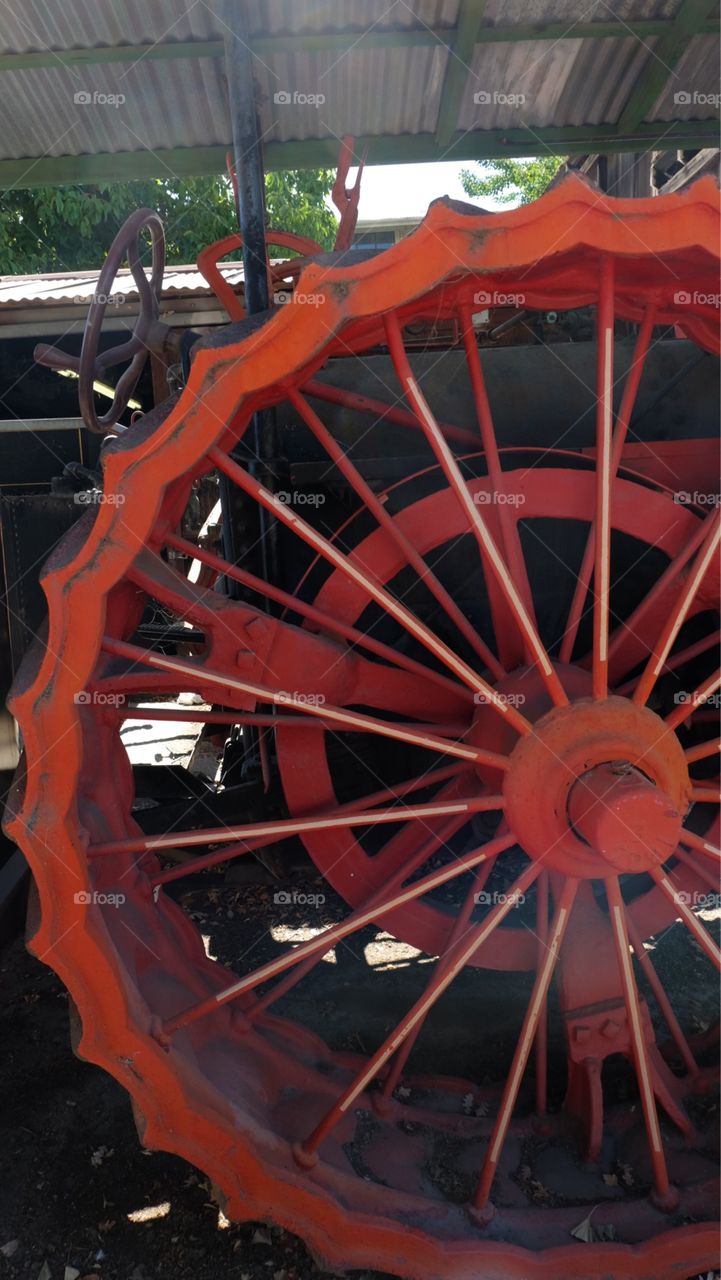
x: 91, y: 365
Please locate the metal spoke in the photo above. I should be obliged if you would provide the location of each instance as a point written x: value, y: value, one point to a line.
x: 675, y: 621
x: 249, y: 846
x: 663, y: 1190
x: 373, y: 589
x: 604, y: 478
x: 386, y: 521
x: 306, y: 1152
x: 692, y: 924
x: 324, y: 621
x: 536, y: 1006
x: 542, y: 888
x: 697, y: 842
x: 478, y: 526
x: 703, y: 750
x: 661, y: 998
x: 353, y: 720
x: 357, y: 920
x: 382, y: 411
x: 625, y: 411
x: 694, y: 700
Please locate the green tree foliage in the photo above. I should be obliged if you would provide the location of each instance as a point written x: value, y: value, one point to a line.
x: 511, y: 181
x: 71, y: 228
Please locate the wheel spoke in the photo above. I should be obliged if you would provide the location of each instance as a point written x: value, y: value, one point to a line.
x: 660, y: 996
x: 249, y: 846
x: 510, y: 539
x: 678, y: 659
x: 706, y: 943
x: 536, y: 1006
x: 604, y: 477
x: 699, y: 867
x: 702, y: 750
x: 625, y: 411
x: 693, y: 841
x: 393, y: 853
x: 706, y: 795
x: 357, y: 920
x: 629, y: 635
x: 694, y: 700
x: 489, y: 551
x: 675, y: 621
x: 376, y: 592
x: 542, y: 887
x: 464, y: 950
x: 386, y: 521
x: 381, y: 411
x: 459, y: 927
x: 324, y: 621
x: 638, y: 1042
x: 354, y: 720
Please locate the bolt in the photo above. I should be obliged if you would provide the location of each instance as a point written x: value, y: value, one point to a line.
x: 582, y: 1035
x: 610, y: 1028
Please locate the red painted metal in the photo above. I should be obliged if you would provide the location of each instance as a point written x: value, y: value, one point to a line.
x: 217, y: 1075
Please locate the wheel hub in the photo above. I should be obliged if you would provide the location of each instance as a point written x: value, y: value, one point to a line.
x: 597, y: 780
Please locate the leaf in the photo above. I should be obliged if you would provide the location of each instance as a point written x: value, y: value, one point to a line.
x: 45, y: 1273
x: 610, y: 1179
x: 71, y: 1273
x: 584, y: 1229
x: 261, y: 1236
x: 7, y: 1250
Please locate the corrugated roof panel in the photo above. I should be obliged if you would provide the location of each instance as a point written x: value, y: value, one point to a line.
x: 85, y: 24
x: 695, y: 77
x: 542, y: 82
x: 274, y: 16
x: 512, y: 12
x: 366, y: 91
x: 80, y: 286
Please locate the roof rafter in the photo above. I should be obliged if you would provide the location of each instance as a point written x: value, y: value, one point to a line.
x: 458, y: 69
x: 687, y: 23
x: 315, y: 153
x: 340, y: 41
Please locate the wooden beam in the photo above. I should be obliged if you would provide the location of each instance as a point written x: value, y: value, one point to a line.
x: 458, y: 68
x: 687, y: 23
x: 318, y: 153
x: 342, y: 41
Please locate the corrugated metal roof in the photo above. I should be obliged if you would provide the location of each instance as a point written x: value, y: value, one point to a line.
x: 149, y: 106
x: 79, y: 286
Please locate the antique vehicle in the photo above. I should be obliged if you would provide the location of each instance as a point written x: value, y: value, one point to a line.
x: 443, y: 616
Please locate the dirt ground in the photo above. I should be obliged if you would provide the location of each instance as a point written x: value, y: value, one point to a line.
x: 79, y: 1197
x: 72, y: 1170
